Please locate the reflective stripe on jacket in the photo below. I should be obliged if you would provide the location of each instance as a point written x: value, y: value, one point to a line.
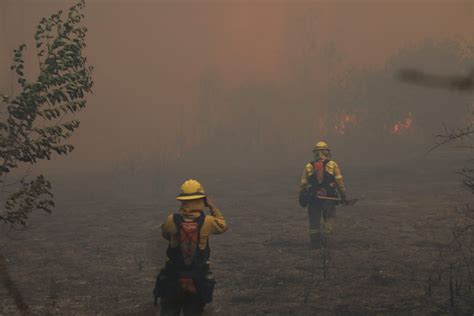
x: 213, y: 224
x: 331, y: 167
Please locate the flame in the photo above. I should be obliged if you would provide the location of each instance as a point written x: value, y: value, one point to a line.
x: 343, y: 121
x: 402, y: 126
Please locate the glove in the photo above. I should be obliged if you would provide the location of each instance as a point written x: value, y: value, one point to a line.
x: 211, y: 205
x: 344, y: 198
x: 209, y: 202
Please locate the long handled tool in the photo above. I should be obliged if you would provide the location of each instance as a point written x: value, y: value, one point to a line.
x: 350, y: 202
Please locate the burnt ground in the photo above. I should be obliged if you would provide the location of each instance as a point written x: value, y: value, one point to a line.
x: 101, y: 258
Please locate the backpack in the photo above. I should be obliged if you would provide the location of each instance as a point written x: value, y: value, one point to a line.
x: 189, y: 256
x: 322, y: 181
x: 187, y: 270
x: 188, y: 241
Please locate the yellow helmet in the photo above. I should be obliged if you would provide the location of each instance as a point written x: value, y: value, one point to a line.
x: 321, y: 146
x: 191, y: 190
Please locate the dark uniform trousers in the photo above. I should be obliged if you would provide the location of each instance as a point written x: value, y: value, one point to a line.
x: 190, y: 304
x: 318, y: 209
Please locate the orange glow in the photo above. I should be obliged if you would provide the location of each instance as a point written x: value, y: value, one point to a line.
x: 343, y: 121
x: 402, y: 126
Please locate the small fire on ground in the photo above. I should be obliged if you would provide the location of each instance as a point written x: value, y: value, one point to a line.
x: 347, y: 121
x: 343, y: 122
x: 402, y: 126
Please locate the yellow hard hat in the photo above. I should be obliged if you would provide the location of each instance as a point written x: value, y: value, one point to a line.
x: 191, y: 190
x: 321, y: 146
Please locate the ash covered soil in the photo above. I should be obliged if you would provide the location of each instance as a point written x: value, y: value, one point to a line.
x: 101, y: 258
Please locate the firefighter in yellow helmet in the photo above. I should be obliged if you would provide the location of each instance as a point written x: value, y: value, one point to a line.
x: 186, y: 283
x: 322, y: 187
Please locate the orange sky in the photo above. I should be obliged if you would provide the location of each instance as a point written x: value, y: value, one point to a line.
x: 150, y: 55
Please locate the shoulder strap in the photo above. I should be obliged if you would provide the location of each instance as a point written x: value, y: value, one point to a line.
x: 200, y: 221
x: 178, y: 219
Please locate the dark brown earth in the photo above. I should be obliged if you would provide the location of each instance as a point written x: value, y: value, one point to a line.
x: 101, y: 258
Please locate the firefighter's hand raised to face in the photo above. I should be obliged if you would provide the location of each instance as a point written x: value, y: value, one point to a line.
x: 210, y: 203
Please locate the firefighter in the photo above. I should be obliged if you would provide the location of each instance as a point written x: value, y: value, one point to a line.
x: 322, y: 188
x: 186, y: 283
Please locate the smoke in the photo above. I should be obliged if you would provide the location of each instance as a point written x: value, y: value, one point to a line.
x: 251, y: 85
x: 395, y: 119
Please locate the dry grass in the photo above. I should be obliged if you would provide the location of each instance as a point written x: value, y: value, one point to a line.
x: 102, y: 258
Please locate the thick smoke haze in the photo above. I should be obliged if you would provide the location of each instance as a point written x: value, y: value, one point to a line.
x: 253, y: 84
x: 235, y: 94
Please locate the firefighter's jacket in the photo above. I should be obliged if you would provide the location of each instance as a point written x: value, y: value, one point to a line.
x: 331, y: 167
x: 213, y: 224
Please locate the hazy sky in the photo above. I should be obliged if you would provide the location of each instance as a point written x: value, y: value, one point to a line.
x: 150, y: 56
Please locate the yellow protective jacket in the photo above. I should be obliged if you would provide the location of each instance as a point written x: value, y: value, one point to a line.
x: 331, y: 167
x: 213, y: 224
